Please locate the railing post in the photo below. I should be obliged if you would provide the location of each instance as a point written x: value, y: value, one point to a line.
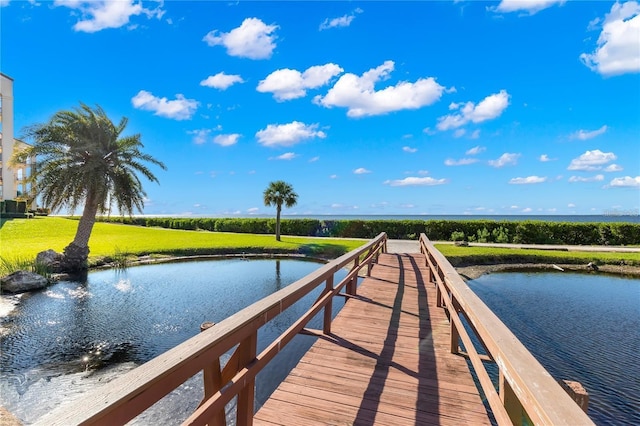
x: 328, y: 309
x: 247, y: 353
x: 439, y: 296
x: 353, y: 285
x: 510, y: 401
x: 212, y: 378
x: 577, y: 392
x: 455, y: 335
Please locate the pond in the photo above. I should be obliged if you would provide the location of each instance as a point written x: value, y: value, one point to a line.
x: 579, y: 327
x: 74, y: 336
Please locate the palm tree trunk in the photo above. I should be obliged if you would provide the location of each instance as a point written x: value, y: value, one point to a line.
x: 278, y: 208
x: 77, y: 253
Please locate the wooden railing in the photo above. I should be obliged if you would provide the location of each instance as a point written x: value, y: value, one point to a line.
x: 129, y: 395
x: 526, y: 394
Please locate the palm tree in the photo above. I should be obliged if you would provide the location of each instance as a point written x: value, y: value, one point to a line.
x: 277, y: 194
x: 84, y: 161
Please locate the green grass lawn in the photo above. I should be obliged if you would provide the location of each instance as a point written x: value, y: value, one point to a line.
x: 479, y: 255
x: 24, y: 238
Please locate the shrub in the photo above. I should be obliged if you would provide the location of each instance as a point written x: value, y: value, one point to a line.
x: 500, y: 235
x: 457, y: 236
x: 483, y: 236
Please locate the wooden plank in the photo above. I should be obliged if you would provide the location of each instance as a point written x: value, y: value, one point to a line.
x: 387, y: 361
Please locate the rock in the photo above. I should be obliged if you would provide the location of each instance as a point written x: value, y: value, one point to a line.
x: 51, y: 259
x: 462, y: 244
x: 21, y: 281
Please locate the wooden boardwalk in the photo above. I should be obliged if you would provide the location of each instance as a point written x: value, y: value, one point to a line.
x: 387, y: 361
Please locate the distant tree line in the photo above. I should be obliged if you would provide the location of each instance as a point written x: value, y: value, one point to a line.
x: 519, y: 232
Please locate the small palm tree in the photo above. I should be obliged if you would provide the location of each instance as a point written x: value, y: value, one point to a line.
x: 84, y: 161
x: 277, y: 194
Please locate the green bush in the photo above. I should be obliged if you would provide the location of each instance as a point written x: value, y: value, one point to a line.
x: 500, y: 235
x: 457, y: 236
x: 483, y: 236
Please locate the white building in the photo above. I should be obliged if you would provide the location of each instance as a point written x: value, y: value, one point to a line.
x: 13, y: 183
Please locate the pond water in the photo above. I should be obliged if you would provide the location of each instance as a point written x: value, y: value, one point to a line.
x: 579, y: 327
x: 74, y: 336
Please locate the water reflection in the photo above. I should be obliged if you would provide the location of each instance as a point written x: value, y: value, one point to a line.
x: 580, y: 327
x: 76, y: 335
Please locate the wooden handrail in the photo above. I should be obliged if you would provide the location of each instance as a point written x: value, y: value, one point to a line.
x: 128, y: 395
x: 525, y: 389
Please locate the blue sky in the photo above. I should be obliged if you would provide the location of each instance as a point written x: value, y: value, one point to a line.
x: 467, y: 107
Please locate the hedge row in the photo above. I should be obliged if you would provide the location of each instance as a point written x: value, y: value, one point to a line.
x: 13, y: 207
x: 519, y: 232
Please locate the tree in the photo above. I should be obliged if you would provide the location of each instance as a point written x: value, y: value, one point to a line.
x: 83, y: 160
x: 277, y: 194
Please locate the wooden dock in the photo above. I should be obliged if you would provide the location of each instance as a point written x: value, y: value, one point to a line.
x: 387, y: 361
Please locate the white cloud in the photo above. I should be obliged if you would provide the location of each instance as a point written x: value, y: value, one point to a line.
x: 253, y: 39
x: 361, y: 171
x: 333, y: 177
x: 288, y: 134
x: 625, y: 182
x: 416, y: 181
x: 221, y: 81
x: 506, y: 159
x: 342, y: 21
x: 476, y: 150
x: 530, y: 6
x: 545, y: 158
x: 571, y: 205
x: 459, y: 133
x: 527, y: 210
x: 489, y: 108
x: 596, y: 178
x: 591, y: 160
x: 286, y: 156
x: 429, y: 131
x: 475, y: 134
x: 409, y: 149
x: 584, y: 135
x: 619, y: 42
x: 460, y: 162
x: 253, y: 210
x: 180, y: 108
x: 527, y: 180
x: 613, y: 168
x: 98, y: 15
x: 227, y: 140
x: 199, y: 136
x: 286, y: 84
x: 358, y: 94
x: 314, y: 159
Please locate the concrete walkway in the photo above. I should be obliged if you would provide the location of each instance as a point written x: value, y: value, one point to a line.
x: 412, y: 246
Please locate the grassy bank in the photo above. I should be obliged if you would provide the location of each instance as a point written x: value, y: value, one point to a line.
x: 464, y: 256
x: 24, y: 238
